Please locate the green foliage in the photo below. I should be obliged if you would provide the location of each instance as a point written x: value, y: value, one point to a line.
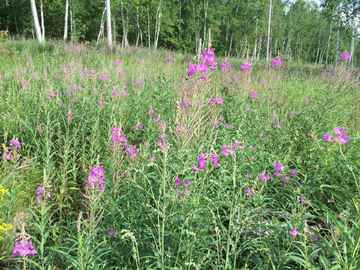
x: 225, y: 217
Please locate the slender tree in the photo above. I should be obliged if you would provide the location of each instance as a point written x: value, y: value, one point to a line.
x: 108, y: 22
x: 36, y: 21
x: 66, y: 20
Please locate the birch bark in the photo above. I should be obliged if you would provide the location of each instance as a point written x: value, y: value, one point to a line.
x: 148, y: 15
x: 125, y: 39
x: 66, y: 20
x: 42, y: 21
x: 36, y: 21
x: 158, y: 24
x: 108, y: 23
x: 101, y: 25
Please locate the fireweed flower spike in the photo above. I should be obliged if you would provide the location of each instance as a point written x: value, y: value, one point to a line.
x: 339, y: 137
x: 275, y: 62
x: 344, y: 56
x: 177, y: 182
x: 15, y: 143
x: 96, y: 179
x: 23, y: 248
x: 245, y: 66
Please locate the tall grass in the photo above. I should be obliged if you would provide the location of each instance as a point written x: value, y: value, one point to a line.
x: 161, y: 207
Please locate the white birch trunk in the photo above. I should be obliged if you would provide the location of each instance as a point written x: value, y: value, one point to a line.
x: 179, y: 41
x: 351, y: 56
x: 66, y: 20
x: 205, y: 11
x: 108, y: 23
x: 148, y: 15
x: 158, y: 24
x: 138, y: 28
x: 42, y: 21
x: 101, y: 25
x: 256, y: 29
x: 231, y: 41
x: 71, y: 27
x: 125, y: 40
x: 268, y: 37
x: 36, y: 21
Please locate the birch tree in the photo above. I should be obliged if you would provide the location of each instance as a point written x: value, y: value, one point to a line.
x: 108, y: 22
x: 158, y: 24
x: 101, y: 25
x: 42, y: 21
x: 66, y: 20
x: 125, y: 34
x: 36, y: 21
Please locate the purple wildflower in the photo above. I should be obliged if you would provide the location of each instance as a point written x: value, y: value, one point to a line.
x: 247, y: 191
x: 177, y: 182
x: 293, y: 232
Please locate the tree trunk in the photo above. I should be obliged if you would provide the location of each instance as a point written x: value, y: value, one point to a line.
x: 108, y: 23
x: 205, y: 11
x: 337, y: 41
x: 268, y: 37
x: 66, y: 20
x: 231, y: 41
x: 36, y: 21
x: 327, y: 52
x: 138, y: 28
x: 256, y: 29
x: 179, y: 41
x: 259, y: 50
x: 42, y: 21
x: 307, y: 54
x: 148, y: 26
x: 71, y: 26
x: 101, y: 26
x: 17, y: 31
x: 245, y: 47
x: 125, y: 40
x: 351, y: 56
x: 157, y: 26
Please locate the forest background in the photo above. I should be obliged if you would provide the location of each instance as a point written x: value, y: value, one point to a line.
x: 299, y: 30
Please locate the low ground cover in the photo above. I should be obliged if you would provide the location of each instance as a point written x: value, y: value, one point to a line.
x: 125, y: 158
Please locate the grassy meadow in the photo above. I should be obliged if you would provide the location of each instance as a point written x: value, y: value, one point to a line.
x: 114, y: 158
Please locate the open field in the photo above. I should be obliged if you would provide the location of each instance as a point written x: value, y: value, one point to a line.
x: 115, y: 158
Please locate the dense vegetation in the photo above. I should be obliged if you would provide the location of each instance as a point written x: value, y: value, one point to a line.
x: 298, y: 29
x: 125, y: 158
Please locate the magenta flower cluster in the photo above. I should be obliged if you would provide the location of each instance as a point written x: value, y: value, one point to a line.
x: 96, y: 179
x: 23, y: 248
x: 339, y: 137
x: 279, y: 171
x: 216, y: 100
x: 245, y: 66
x: 226, y: 66
x: 344, y: 56
x: 41, y: 190
x: 207, y: 59
x: 201, y: 163
x: 117, y: 136
x: 111, y: 232
x: 131, y: 151
x: 254, y: 94
x: 14, y: 143
x: 138, y: 126
x: 275, y: 62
